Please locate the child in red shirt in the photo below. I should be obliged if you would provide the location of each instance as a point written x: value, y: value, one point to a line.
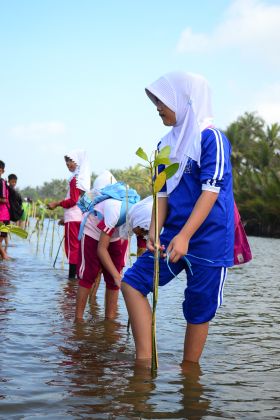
x: 77, y: 163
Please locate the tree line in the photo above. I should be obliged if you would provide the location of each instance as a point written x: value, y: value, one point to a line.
x: 256, y: 175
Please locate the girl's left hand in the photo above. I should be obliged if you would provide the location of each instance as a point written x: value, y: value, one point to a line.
x: 52, y: 205
x: 177, y: 248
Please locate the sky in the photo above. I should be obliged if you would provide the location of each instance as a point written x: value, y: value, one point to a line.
x: 73, y: 74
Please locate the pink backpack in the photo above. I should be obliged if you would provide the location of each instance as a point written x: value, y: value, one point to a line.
x: 242, y: 251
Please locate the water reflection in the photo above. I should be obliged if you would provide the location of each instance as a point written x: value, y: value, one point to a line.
x: 104, y: 379
x: 6, y: 293
x: 67, y: 299
x: 53, y: 368
x: 172, y: 394
x: 134, y: 396
x: 6, y: 290
x: 92, y: 358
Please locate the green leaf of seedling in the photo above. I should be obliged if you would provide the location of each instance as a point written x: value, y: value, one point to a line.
x: 140, y: 152
x: 14, y: 229
x: 18, y: 231
x: 159, y: 182
x: 4, y: 228
x: 164, y: 152
x: 162, y: 161
x: 171, y: 170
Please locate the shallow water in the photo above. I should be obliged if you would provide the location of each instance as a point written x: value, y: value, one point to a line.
x: 51, y: 368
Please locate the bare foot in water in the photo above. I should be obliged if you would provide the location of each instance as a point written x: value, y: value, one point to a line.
x: 79, y: 320
x: 4, y: 255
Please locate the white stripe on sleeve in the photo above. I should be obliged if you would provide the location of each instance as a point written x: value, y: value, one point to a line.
x: 212, y: 188
x: 222, y: 155
x: 217, y: 155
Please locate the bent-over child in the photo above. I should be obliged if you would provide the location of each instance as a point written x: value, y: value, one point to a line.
x: 102, y: 249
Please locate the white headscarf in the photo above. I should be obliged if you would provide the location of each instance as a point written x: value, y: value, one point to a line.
x: 189, y: 96
x: 141, y: 213
x: 101, y: 181
x: 82, y: 172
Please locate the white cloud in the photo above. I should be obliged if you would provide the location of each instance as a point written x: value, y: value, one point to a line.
x: 38, y: 130
x: 45, y: 139
x: 251, y: 26
x: 191, y: 42
x: 267, y: 103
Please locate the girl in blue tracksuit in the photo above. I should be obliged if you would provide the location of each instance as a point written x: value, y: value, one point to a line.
x: 195, y: 212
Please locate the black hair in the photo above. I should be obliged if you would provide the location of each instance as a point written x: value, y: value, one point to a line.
x: 2, y: 164
x: 12, y: 176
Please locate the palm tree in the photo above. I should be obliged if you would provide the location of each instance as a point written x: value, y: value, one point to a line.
x: 256, y: 172
x: 136, y: 177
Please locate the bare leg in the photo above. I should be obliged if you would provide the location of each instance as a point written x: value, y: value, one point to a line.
x: 94, y: 288
x: 81, y: 300
x: 140, y: 315
x: 3, y: 253
x: 111, y: 303
x: 195, y: 338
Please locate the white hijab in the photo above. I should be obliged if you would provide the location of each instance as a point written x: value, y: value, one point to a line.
x: 188, y: 95
x: 141, y: 213
x: 101, y: 181
x: 82, y: 172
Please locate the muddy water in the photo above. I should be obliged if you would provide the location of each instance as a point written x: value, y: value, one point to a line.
x: 51, y: 368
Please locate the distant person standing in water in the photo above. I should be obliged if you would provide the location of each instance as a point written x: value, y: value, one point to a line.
x: 16, y: 210
x: 4, y: 209
x: 79, y: 182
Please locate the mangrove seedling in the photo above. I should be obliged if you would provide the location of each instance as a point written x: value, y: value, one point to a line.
x: 158, y: 180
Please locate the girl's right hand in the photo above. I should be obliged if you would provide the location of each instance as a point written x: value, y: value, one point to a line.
x: 150, y: 243
x: 151, y: 246
x: 118, y: 281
